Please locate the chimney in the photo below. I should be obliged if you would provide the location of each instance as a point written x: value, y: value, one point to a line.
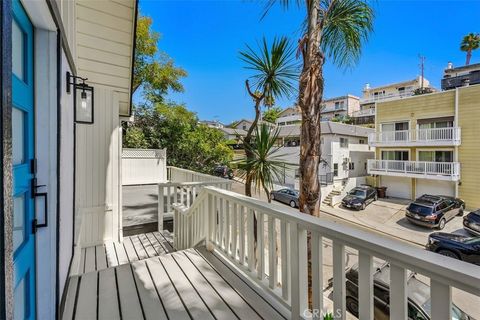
x: 466, y: 82
x: 449, y: 65
x: 367, y: 87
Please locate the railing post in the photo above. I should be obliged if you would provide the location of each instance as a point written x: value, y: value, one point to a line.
x: 365, y: 284
x: 441, y: 295
x: 161, y: 207
x: 398, y: 293
x: 298, y: 271
x: 339, y: 303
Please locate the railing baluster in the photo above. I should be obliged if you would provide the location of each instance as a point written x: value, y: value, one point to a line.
x: 234, y: 230
x: 365, y: 286
x: 299, y: 271
x: 441, y: 295
x: 398, y: 292
x: 227, y: 226
x: 317, y: 272
x: 285, y: 259
x: 272, y: 253
x: 250, y: 240
x: 221, y: 220
x: 241, y: 249
x: 339, y: 304
x: 161, y: 207
x: 260, y: 246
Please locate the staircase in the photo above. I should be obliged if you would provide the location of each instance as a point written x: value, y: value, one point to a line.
x: 334, y: 192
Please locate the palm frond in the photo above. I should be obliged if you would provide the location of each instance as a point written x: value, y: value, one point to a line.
x: 274, y: 68
x: 284, y: 3
x: 346, y: 25
x: 470, y: 42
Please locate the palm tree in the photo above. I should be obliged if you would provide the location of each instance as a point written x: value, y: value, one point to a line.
x: 274, y: 74
x: 265, y: 166
x: 469, y: 43
x: 335, y: 30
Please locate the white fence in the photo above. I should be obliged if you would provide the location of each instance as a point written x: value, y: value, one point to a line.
x: 143, y: 166
x: 415, y: 169
x: 276, y: 258
x: 420, y: 137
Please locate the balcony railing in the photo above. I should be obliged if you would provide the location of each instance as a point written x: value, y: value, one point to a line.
x: 267, y: 244
x: 416, y: 169
x: 385, y: 97
x: 460, y: 81
x: 364, y: 113
x: 418, y: 137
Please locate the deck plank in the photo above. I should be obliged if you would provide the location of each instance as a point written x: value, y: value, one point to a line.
x: 166, y: 240
x: 101, y: 257
x: 112, y: 260
x: 90, y: 258
x: 129, y: 302
x: 233, y: 298
x: 172, y: 302
x: 148, y: 245
x: 69, y: 305
x: 212, y: 299
x: 108, y: 308
x: 192, y: 300
x: 257, y: 302
x: 159, y: 249
x: 121, y: 253
x: 82, y: 261
x: 129, y: 249
x: 139, y: 247
x: 152, y: 306
x: 87, y: 297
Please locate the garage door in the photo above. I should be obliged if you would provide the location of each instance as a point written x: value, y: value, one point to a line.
x: 444, y: 188
x: 397, y: 187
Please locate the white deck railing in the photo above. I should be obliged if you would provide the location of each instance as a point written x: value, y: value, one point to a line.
x: 418, y: 137
x: 387, y: 96
x: 415, y: 169
x: 183, y: 186
x: 364, y: 113
x: 225, y: 221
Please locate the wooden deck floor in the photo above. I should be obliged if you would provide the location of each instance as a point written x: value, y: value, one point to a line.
x: 133, y: 248
x: 188, y: 284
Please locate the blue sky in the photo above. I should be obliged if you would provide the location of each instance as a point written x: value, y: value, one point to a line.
x: 204, y: 37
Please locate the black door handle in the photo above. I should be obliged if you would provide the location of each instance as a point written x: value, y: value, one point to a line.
x: 44, y: 195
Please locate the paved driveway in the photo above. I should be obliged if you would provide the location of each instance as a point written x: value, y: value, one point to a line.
x: 388, y: 216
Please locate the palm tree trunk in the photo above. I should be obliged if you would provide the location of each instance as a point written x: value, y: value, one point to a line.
x: 469, y: 56
x: 310, y: 100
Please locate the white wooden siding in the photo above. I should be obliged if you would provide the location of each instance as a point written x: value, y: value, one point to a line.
x: 97, y: 170
x: 104, y: 45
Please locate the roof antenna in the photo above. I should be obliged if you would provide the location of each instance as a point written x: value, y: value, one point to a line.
x: 422, y: 69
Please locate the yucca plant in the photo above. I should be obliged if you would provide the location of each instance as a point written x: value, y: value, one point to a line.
x: 274, y: 72
x: 266, y: 165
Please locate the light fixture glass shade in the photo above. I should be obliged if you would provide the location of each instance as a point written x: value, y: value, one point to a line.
x: 84, y: 106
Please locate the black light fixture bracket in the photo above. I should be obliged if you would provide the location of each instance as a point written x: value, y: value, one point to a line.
x: 72, y: 80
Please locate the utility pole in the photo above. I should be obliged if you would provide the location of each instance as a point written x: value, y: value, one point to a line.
x: 422, y: 68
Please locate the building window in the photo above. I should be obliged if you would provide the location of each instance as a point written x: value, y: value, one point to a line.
x: 343, y: 143
x: 244, y: 127
x: 339, y: 105
x: 351, y: 166
x: 361, y: 141
x: 435, y: 156
x: 395, y: 155
x: 335, y: 169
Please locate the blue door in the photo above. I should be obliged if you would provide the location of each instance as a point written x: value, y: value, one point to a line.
x: 22, y: 156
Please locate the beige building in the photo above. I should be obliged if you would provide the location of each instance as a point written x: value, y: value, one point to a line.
x: 429, y: 144
x: 338, y: 107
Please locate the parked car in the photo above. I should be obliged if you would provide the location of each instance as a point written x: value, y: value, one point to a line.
x: 287, y: 196
x: 359, y: 197
x: 223, y: 171
x: 419, y: 303
x: 434, y: 211
x: 455, y: 246
x: 471, y: 222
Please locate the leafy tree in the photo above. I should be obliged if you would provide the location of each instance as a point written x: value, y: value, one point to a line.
x: 154, y: 71
x: 335, y: 30
x: 189, y: 145
x: 469, y: 43
x: 274, y: 72
x: 271, y: 115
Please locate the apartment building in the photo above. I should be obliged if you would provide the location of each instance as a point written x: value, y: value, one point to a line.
x: 340, y: 107
x: 289, y: 116
x: 429, y: 144
x: 454, y: 77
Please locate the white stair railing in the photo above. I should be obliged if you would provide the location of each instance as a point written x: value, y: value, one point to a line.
x: 276, y: 258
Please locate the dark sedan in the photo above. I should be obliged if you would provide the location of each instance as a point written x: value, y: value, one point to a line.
x: 434, y: 211
x: 287, y: 196
x: 359, y: 197
x: 455, y: 246
x: 419, y: 303
x: 471, y: 223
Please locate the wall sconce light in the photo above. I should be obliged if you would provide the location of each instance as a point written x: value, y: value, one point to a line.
x: 82, y: 99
